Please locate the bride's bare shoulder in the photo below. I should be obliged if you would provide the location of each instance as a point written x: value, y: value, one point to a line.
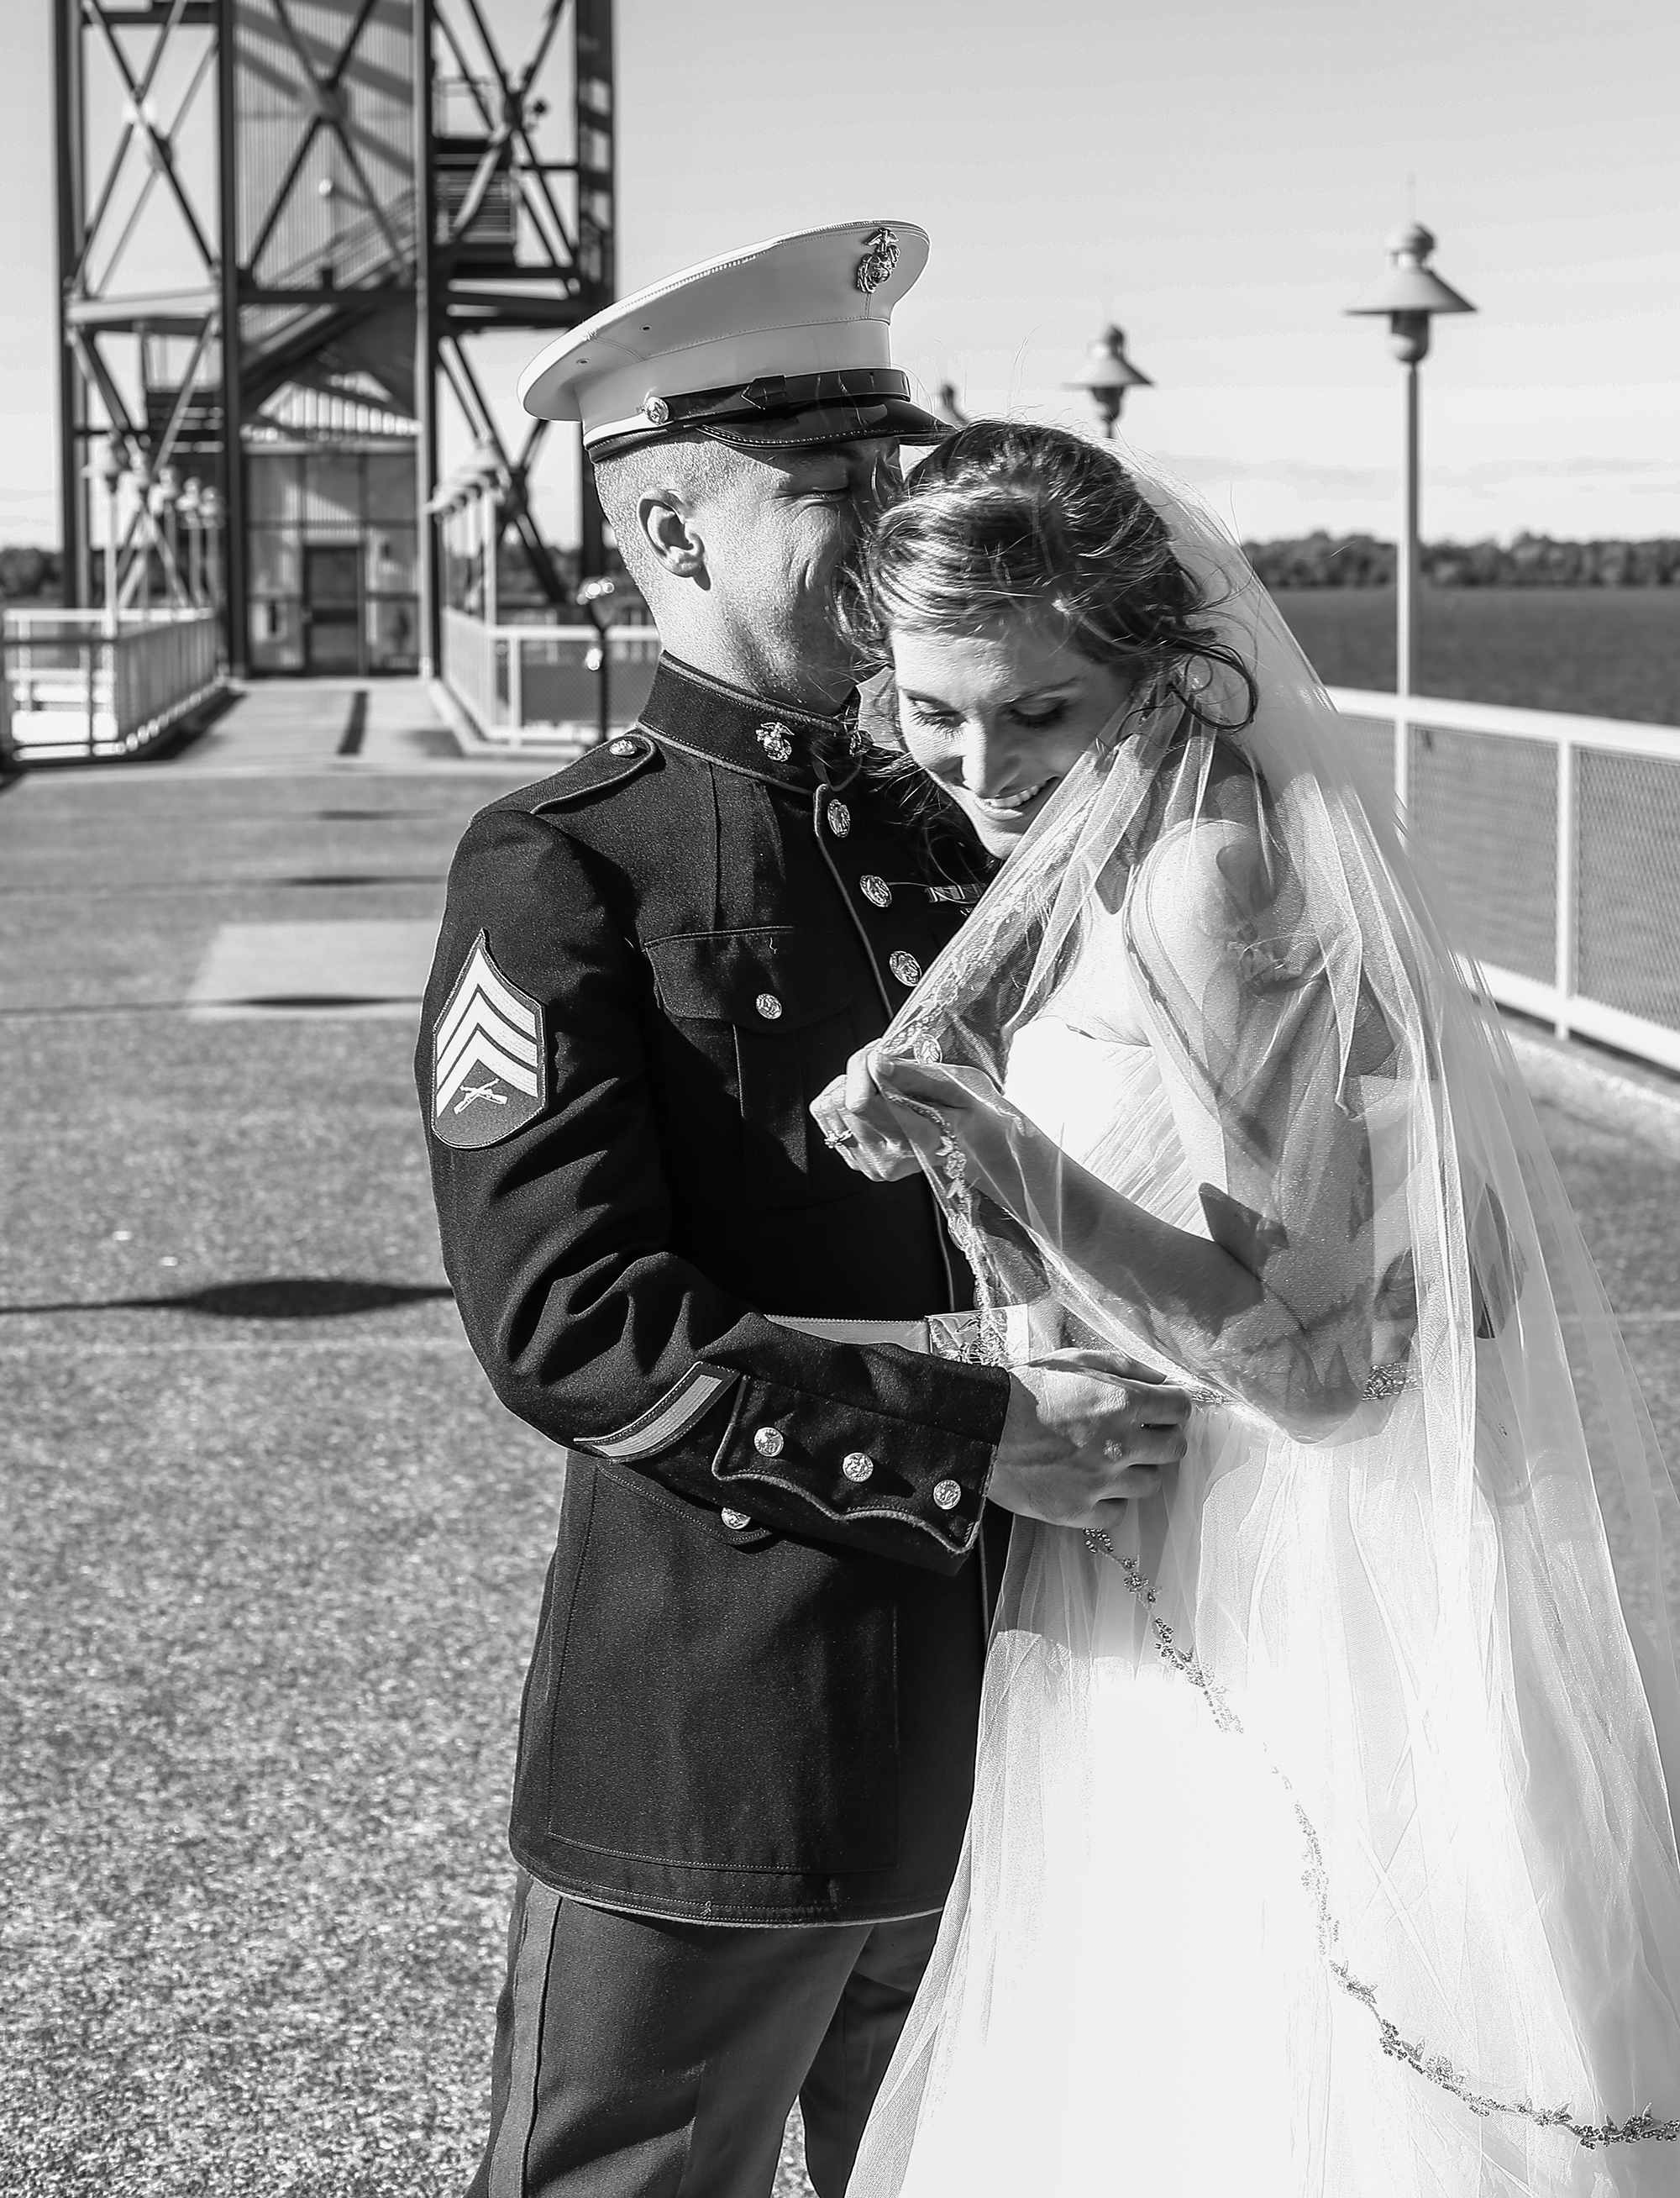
x: 1214, y: 868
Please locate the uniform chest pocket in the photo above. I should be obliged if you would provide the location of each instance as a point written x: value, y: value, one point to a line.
x: 758, y: 1022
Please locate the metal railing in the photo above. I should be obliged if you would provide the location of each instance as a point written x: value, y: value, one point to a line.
x: 543, y: 684
x: 1557, y: 841
x: 72, y: 689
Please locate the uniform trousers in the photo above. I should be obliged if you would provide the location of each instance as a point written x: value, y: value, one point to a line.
x: 640, y: 2058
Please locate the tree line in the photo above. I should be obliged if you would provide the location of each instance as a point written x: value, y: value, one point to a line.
x: 28, y: 574
x: 1531, y: 561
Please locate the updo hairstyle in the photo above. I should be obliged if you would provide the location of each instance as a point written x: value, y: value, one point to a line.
x: 1007, y: 518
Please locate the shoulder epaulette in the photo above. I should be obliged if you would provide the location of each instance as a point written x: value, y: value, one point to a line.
x: 597, y: 771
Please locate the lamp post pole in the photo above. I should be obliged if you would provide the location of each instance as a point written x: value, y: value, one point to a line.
x: 1409, y: 295
x: 189, y: 509
x: 1107, y: 374
x: 168, y: 489
x: 111, y: 475
x: 594, y: 599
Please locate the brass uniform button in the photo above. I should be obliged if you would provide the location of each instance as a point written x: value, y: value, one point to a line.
x: 905, y: 967
x: 839, y: 819
x: 858, y: 1465
x: 768, y: 1006
x: 877, y: 891
x: 769, y: 1443
x: 947, y: 1494
x: 734, y: 1520
x: 621, y: 747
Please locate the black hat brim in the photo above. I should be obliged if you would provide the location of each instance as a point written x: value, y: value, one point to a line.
x: 887, y: 419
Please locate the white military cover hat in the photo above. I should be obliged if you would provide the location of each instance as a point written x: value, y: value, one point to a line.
x: 781, y: 343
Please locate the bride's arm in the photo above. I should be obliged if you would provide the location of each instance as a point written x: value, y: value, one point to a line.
x: 1266, y: 1039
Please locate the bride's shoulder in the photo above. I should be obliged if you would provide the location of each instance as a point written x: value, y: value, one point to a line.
x: 1211, y: 869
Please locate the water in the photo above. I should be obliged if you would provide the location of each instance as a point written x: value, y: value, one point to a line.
x: 1603, y: 652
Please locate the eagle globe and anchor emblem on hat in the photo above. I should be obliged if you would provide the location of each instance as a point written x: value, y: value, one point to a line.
x: 779, y: 346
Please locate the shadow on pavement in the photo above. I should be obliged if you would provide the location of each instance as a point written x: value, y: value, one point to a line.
x: 276, y: 1297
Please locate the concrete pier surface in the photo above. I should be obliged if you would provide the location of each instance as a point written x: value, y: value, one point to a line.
x: 274, y: 1552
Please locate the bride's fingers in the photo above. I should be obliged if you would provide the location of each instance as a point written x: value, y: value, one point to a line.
x: 1135, y: 1486
x: 944, y: 1088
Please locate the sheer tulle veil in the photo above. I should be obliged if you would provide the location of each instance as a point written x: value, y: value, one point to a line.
x: 1417, y: 1671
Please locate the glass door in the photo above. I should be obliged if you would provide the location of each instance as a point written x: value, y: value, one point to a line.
x: 332, y: 608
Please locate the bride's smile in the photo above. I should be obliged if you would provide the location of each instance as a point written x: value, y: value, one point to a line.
x: 999, y: 716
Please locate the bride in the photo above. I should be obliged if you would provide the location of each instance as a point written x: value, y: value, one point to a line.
x: 1321, y: 1843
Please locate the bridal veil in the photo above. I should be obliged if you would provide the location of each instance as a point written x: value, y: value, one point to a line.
x: 1323, y: 1842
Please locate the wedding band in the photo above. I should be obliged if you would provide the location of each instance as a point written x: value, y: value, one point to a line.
x: 1114, y: 1451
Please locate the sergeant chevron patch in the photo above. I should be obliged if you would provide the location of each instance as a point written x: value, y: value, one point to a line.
x: 490, y: 1057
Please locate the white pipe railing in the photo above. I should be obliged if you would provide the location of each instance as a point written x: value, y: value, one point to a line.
x: 74, y: 690
x: 1556, y: 839
x: 542, y: 682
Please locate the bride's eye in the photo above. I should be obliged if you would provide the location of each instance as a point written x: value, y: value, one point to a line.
x: 1036, y: 719
x: 935, y: 720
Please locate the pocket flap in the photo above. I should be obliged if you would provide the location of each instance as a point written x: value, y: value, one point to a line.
x: 771, y: 979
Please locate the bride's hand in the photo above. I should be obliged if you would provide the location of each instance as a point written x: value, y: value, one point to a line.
x: 935, y: 1107
x: 858, y: 1123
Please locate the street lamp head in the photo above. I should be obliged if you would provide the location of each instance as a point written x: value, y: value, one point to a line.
x: 946, y: 409
x: 1107, y: 374
x: 209, y: 506
x: 594, y: 597
x: 188, y: 505
x: 111, y: 467
x: 1409, y: 293
x: 482, y: 472
x: 166, y: 488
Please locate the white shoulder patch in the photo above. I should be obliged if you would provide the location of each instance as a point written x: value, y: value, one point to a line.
x: 490, y: 1057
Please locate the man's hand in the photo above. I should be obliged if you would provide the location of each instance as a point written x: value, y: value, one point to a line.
x: 859, y: 1125
x: 1082, y: 1437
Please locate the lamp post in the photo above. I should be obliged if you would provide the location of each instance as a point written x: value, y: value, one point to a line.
x: 210, y: 518
x: 482, y: 475
x: 188, y: 508
x: 168, y: 493
x: 1410, y: 293
x: 111, y: 478
x: 594, y: 597
x: 142, y: 489
x: 1107, y: 374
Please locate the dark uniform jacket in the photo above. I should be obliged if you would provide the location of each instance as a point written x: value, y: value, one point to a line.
x: 754, y: 1691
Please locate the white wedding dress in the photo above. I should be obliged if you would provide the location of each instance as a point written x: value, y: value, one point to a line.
x: 1323, y: 1842
x: 1136, y: 1989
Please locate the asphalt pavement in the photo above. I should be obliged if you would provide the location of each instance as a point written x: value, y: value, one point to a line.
x: 273, y: 1552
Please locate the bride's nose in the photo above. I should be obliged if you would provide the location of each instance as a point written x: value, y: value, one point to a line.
x: 987, y: 762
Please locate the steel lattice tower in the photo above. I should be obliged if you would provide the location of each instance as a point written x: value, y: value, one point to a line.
x: 281, y: 225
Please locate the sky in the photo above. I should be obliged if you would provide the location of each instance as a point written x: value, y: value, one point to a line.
x: 1218, y: 176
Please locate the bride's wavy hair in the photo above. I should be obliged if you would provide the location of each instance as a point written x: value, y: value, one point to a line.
x: 1007, y: 518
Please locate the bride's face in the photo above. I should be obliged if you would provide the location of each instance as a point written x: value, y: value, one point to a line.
x: 998, y: 718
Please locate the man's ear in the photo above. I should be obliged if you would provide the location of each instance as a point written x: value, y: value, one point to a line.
x: 669, y: 531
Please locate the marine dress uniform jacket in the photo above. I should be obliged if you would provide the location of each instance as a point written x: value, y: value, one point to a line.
x: 754, y: 1690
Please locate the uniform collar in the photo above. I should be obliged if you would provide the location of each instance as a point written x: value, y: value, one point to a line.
x: 743, y: 732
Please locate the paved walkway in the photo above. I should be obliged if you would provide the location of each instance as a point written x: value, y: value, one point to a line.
x: 285, y: 726
x: 274, y: 1553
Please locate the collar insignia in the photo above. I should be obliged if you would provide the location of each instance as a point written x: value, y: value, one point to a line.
x: 881, y: 257
x: 490, y: 1057
x: 777, y: 741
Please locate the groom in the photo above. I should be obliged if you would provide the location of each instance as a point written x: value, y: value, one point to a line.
x: 749, y: 1729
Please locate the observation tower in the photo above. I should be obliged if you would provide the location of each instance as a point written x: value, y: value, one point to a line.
x: 285, y: 228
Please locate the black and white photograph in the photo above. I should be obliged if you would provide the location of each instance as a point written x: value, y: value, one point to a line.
x: 840, y: 1049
